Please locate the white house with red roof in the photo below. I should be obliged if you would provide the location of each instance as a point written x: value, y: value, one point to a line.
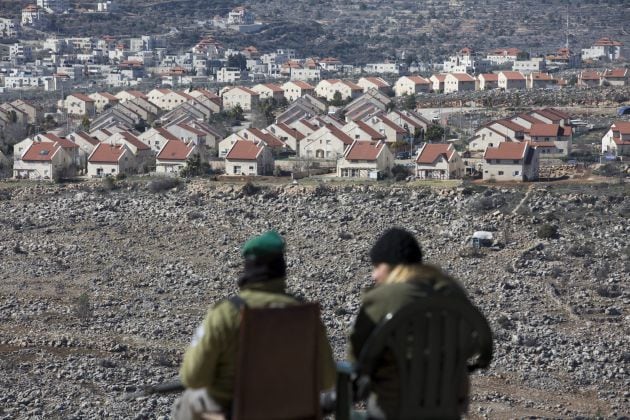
x: 129, y: 95
x: 155, y: 96
x: 86, y: 145
x: 295, y: 89
x: 439, y: 161
x: 374, y: 83
x: 589, y: 78
x: 241, y: 96
x: 156, y: 138
x: 560, y: 137
x: 488, y: 81
x: 603, y: 48
x: 248, y: 158
x: 78, y: 104
x: 617, y: 140
x: 328, y: 87
x: 289, y: 135
x: 437, y: 82
x: 171, y: 159
x: 205, y: 96
x: 326, y: 143
x: 366, y: 159
x: 503, y: 56
x: 188, y: 134
x: 144, y: 156
x: 110, y: 160
x: 103, y: 99
x: 269, y: 91
x: 391, y: 131
x: 487, y: 136
x: 459, y: 82
x: 616, y: 77
x: 512, y: 80
x: 411, y: 85
x: 540, y: 80
x: 44, y: 160
x: 511, y: 162
x: 359, y: 130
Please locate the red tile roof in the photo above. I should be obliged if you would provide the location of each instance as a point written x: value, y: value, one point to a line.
x: 541, y: 76
x: 462, y: 77
x: 607, y: 42
x: 512, y: 75
x: 41, y: 152
x: 511, y: 125
x: 108, y: 96
x: 107, y: 153
x: 340, y: 135
x: 550, y: 114
x: 529, y: 118
x: 308, y: 124
x: 589, y: 75
x: 302, y: 85
x: 385, y: 120
x: 364, y: 150
x: 290, y: 131
x: 166, y: 134
x: 616, y: 73
x: 432, y: 151
x: 506, y: 151
x: 175, y: 150
x: 377, y: 81
x: 374, y: 135
x: 245, y: 150
x: 418, y: 80
x: 439, y: 77
x: 351, y: 85
x: 273, y: 87
x: 269, y: 139
x: 135, y: 141
x: 244, y: 89
x: 193, y: 130
x: 82, y: 97
x: 545, y: 130
x: 85, y: 136
x: 622, y: 127
x: 490, y: 77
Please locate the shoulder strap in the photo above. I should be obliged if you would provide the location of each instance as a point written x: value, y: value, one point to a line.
x: 238, y: 302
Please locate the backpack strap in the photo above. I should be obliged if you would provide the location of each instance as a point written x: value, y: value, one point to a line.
x: 238, y: 302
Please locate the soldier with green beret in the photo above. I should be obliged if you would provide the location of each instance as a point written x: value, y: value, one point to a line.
x: 209, y: 366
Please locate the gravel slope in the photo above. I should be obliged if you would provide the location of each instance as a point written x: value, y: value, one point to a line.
x: 151, y: 263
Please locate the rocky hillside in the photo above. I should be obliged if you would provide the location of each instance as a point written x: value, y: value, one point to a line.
x: 101, y: 287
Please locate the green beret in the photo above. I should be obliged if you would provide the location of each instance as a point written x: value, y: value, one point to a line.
x: 266, y: 244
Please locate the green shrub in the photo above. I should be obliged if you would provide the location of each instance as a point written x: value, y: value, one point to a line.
x: 250, y: 189
x: 547, y: 231
x: 163, y: 184
x: 400, y: 172
x: 83, y: 307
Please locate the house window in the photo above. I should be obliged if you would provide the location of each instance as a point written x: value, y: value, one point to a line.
x: 251, y: 168
x: 500, y: 172
x: 237, y: 169
x: 516, y: 173
x: 113, y: 170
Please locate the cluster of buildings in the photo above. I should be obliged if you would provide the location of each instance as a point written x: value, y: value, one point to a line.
x: 63, y: 63
x: 352, y: 140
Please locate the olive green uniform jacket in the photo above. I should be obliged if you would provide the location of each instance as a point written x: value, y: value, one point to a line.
x: 210, y: 361
x: 377, y: 302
